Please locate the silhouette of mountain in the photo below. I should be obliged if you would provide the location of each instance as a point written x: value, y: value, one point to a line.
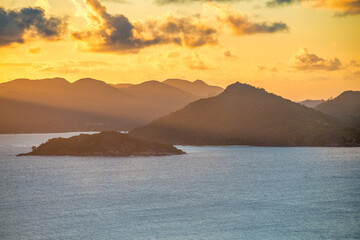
x: 85, y: 105
x: 25, y: 117
x: 103, y: 144
x: 160, y: 96
x: 198, y: 88
x: 245, y: 115
x: 311, y: 103
x: 345, y: 107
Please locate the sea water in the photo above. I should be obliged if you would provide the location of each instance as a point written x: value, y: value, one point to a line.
x: 212, y: 192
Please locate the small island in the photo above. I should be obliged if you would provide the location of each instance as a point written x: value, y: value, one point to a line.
x: 107, y: 143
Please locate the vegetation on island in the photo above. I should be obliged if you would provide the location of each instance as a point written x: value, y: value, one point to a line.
x: 107, y: 143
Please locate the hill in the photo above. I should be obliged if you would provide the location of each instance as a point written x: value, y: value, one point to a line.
x: 345, y: 107
x: 103, y: 144
x: 198, y: 88
x: 311, y: 103
x: 245, y: 115
x: 53, y: 105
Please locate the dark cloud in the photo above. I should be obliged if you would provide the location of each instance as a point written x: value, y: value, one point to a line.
x: 14, y: 24
x: 342, y: 7
x: 276, y: 3
x: 345, y: 8
x: 306, y: 61
x: 117, y: 33
x: 187, y: 31
x: 241, y: 25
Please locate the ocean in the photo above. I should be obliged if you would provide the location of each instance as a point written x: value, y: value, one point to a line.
x: 212, y: 192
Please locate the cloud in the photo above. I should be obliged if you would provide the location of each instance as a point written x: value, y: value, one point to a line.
x: 188, y: 31
x: 240, y: 24
x: 306, y: 61
x: 15, y: 24
x: 276, y: 3
x: 108, y: 32
x: 353, y: 67
x: 194, y: 62
x: 265, y: 68
x: 342, y: 7
x: 116, y: 33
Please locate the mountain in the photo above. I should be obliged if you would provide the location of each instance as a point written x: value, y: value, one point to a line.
x: 159, y: 97
x: 198, y: 88
x: 345, y: 107
x: 311, y: 103
x: 102, y: 144
x: 56, y: 105
x: 158, y: 92
x: 25, y: 117
x: 245, y: 115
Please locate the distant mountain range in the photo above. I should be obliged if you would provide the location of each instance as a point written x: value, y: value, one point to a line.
x: 186, y: 112
x: 196, y: 88
x: 245, y: 115
x: 311, y: 103
x: 56, y: 105
x: 345, y: 107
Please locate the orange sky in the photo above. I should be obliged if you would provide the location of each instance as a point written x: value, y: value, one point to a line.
x: 304, y: 49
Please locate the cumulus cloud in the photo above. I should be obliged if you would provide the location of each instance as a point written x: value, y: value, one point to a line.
x: 354, y: 67
x: 276, y: 3
x: 116, y: 33
x: 342, y: 7
x: 15, y: 24
x: 106, y: 32
x: 187, y: 31
x: 240, y: 24
x: 306, y: 61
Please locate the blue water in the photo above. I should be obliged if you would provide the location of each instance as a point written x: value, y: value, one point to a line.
x: 234, y: 192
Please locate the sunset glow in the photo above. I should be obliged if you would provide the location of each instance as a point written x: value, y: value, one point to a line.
x: 296, y: 49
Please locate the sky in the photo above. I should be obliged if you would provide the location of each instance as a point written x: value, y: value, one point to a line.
x: 298, y: 49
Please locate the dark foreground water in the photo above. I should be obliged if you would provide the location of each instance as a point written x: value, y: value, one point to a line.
x: 231, y: 192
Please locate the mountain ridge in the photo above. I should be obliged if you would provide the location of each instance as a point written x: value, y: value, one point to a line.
x: 345, y: 107
x: 88, y: 99
x: 245, y: 115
